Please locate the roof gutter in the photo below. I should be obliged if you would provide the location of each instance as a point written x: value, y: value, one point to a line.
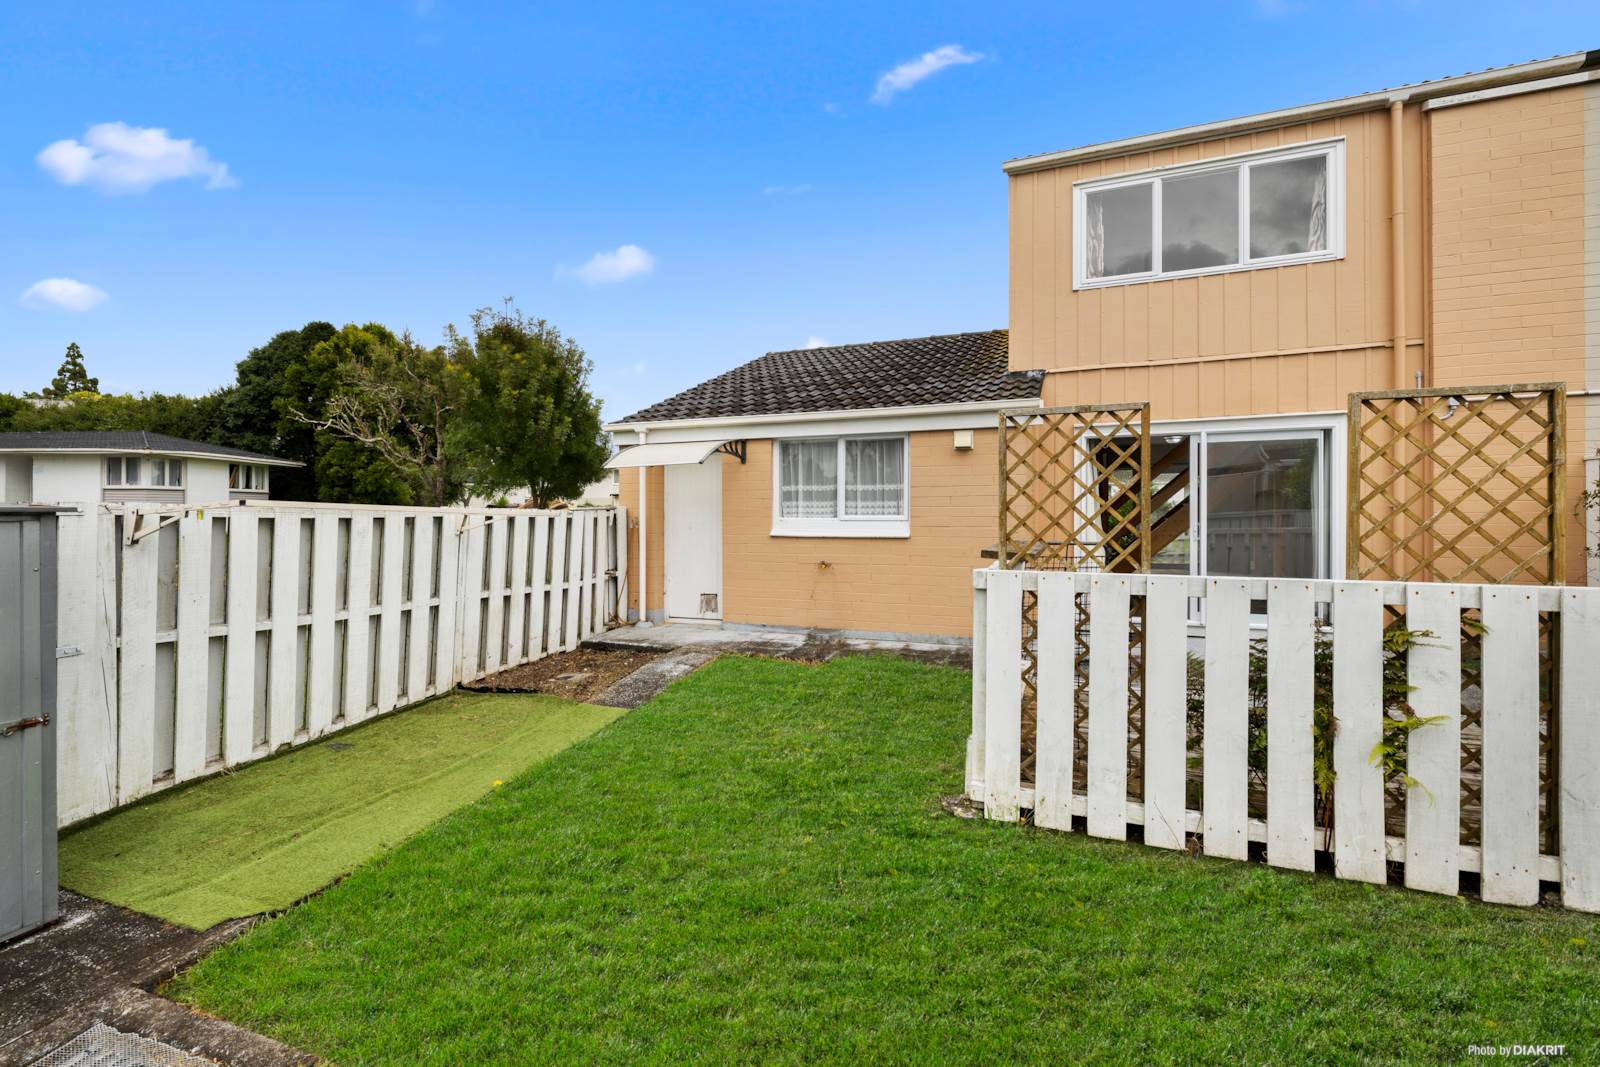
x: 735, y: 421
x: 1292, y: 116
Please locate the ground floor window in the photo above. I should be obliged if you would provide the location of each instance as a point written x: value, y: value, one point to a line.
x: 841, y: 487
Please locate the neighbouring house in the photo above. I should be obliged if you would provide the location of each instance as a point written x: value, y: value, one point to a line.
x: 846, y: 488
x: 128, y: 466
x: 1243, y: 277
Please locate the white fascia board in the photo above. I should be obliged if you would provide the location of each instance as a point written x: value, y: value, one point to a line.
x: 1512, y: 90
x: 978, y: 415
x: 1292, y: 116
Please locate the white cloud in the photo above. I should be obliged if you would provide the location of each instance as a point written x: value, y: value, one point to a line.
x: 785, y: 190
x: 912, y: 71
x: 624, y: 263
x: 61, y: 294
x: 117, y: 158
x: 816, y: 342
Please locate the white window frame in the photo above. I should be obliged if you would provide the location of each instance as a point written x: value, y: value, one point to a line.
x: 1332, y: 148
x: 842, y: 525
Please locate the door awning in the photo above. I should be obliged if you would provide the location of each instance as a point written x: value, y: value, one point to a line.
x: 665, y: 455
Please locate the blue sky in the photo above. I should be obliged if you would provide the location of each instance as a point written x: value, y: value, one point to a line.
x: 407, y: 162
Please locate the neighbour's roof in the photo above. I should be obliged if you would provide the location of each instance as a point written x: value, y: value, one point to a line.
x: 949, y: 369
x: 127, y: 441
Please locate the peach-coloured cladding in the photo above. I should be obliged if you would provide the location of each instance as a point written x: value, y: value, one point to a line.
x: 920, y: 584
x: 1284, y: 339
x: 1508, y: 254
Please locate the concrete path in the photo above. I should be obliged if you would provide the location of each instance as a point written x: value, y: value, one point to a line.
x: 99, y: 964
x: 814, y: 646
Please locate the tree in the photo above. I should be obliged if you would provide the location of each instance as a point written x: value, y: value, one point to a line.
x: 254, y: 411
x: 390, y: 396
x: 526, y: 416
x: 71, y: 377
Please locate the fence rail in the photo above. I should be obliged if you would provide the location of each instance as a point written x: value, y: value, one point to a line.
x: 193, y: 639
x: 1210, y: 787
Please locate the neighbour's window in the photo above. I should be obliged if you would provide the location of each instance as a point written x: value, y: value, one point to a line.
x: 123, y: 470
x: 845, y: 480
x: 1263, y: 210
x: 113, y: 470
x: 247, y: 476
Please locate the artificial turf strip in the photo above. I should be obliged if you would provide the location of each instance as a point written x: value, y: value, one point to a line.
x: 754, y: 868
x: 261, y: 837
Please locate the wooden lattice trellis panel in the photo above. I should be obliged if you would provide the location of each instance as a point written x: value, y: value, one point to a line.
x: 1465, y: 484
x: 1075, y: 488
x: 1075, y: 495
x: 1458, y: 484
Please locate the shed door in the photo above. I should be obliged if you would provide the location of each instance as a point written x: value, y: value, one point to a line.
x: 693, y: 506
x: 27, y: 751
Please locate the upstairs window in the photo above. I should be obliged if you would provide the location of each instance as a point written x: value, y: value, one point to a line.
x: 247, y: 476
x: 1267, y: 209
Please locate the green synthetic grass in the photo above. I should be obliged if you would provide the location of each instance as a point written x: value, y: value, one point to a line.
x: 260, y: 838
x: 754, y: 868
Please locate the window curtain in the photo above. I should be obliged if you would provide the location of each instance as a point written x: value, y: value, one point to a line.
x: 874, y: 478
x: 808, y: 479
x: 1094, y: 241
x: 1317, y: 237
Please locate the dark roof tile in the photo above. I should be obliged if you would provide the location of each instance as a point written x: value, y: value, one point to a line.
x: 122, y: 441
x: 949, y: 369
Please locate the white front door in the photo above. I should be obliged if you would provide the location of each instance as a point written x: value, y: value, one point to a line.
x: 693, y: 505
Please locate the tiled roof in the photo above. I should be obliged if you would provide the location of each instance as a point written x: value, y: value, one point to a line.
x: 950, y: 369
x: 123, y: 441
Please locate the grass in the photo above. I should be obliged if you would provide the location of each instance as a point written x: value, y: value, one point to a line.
x: 754, y: 868
x: 260, y: 838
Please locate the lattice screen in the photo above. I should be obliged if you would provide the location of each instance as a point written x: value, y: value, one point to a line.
x: 1075, y: 488
x: 1458, y: 484
x: 1465, y: 484
x: 1075, y: 495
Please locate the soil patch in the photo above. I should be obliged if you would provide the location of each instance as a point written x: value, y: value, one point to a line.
x: 583, y: 674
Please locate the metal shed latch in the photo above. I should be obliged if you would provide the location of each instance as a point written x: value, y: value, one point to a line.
x: 23, y: 724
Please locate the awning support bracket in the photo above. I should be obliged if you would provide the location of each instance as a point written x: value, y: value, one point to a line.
x: 732, y: 448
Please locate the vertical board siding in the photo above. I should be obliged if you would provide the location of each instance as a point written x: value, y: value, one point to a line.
x: 246, y: 628
x: 1299, y: 822
x: 1052, y: 801
x: 1108, y: 706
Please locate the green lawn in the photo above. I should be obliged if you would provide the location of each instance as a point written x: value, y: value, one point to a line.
x: 263, y: 836
x: 754, y: 868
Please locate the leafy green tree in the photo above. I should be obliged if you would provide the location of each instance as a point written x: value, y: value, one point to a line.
x: 525, y: 415
x: 71, y: 377
x: 10, y: 408
x: 251, y: 413
x: 391, y: 397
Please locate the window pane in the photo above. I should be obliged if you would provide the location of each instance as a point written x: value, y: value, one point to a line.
x: 1261, y: 508
x: 174, y: 472
x: 808, y: 479
x: 114, y: 470
x: 874, y: 478
x: 158, y: 472
x: 130, y: 470
x: 1289, y: 207
x: 233, y: 476
x: 1117, y: 231
x: 1200, y: 220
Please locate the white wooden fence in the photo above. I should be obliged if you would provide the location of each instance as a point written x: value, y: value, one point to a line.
x: 1509, y: 859
x: 193, y: 639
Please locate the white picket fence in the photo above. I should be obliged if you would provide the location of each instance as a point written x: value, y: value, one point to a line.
x: 1509, y: 860
x: 193, y: 639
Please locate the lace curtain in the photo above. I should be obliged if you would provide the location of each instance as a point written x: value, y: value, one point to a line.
x: 808, y: 479
x: 874, y: 478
